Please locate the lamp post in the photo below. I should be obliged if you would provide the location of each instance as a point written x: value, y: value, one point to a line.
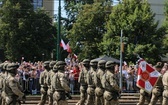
x: 121, y: 51
x: 59, y: 30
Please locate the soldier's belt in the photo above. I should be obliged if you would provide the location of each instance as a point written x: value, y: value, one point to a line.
x: 60, y: 90
x: 165, y: 87
x: 91, y: 86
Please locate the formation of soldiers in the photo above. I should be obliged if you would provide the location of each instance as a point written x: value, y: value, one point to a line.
x: 98, y: 85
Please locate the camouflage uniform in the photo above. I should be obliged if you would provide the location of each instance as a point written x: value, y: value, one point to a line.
x: 165, y: 92
x: 1, y: 81
x: 109, y: 83
x: 4, y: 75
x: 143, y: 95
x: 60, y: 85
x: 12, y: 87
x: 90, y: 81
x: 99, y: 88
x: 43, y: 83
x: 83, y: 82
x: 49, y: 78
x: 158, y: 88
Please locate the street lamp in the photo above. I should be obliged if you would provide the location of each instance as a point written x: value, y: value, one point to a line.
x: 59, y: 30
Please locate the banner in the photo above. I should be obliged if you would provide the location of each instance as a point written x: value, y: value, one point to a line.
x: 147, y: 76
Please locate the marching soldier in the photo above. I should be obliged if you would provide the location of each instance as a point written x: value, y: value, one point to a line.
x: 109, y: 83
x: 43, y: 83
x: 49, y: 78
x: 12, y: 87
x: 158, y: 88
x: 99, y: 89
x: 83, y: 81
x: 1, y: 81
x: 60, y: 85
x: 90, y: 81
x: 144, y: 96
x: 4, y: 68
x: 165, y: 84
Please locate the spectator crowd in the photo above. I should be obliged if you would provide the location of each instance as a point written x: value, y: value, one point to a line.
x: 29, y: 73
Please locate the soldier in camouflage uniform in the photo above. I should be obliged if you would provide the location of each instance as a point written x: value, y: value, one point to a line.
x: 158, y: 88
x: 43, y: 83
x: 83, y: 81
x: 90, y: 81
x: 109, y: 83
x: 165, y: 84
x: 4, y: 67
x: 60, y: 85
x: 1, y: 81
x: 49, y: 78
x: 99, y: 89
x: 12, y: 87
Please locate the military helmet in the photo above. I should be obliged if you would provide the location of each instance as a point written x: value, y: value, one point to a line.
x: 101, y: 63
x: 12, y: 66
x: 86, y: 61
x: 110, y: 64
x: 60, y: 64
x: 1, y: 66
x: 52, y: 63
x: 46, y: 63
x: 5, y: 66
x: 93, y: 62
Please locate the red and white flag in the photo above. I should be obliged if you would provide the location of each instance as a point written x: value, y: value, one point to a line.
x: 68, y: 48
x: 62, y: 44
x: 147, y: 76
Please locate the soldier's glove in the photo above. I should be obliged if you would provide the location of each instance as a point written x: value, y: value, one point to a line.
x: 42, y: 90
x: 20, y: 97
x: 68, y: 95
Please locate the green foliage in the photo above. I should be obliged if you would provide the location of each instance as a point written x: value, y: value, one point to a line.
x: 87, y: 33
x: 136, y: 20
x: 25, y: 32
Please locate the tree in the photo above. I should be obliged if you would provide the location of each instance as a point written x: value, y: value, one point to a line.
x: 25, y: 32
x: 87, y: 32
x: 140, y: 35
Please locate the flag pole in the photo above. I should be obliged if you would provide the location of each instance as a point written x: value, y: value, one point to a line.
x: 59, y: 30
x: 121, y: 59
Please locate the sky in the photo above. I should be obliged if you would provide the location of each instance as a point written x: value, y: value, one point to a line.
x: 63, y: 12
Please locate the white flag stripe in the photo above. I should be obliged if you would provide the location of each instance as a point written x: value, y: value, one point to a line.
x: 143, y: 65
x: 155, y: 74
x: 63, y: 45
x: 139, y: 77
x: 148, y: 86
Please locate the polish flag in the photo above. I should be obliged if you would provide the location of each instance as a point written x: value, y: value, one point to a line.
x: 62, y: 44
x: 147, y: 76
x: 75, y: 56
x: 68, y: 48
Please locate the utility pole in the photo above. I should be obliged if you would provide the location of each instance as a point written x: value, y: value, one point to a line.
x: 59, y: 30
x: 121, y: 53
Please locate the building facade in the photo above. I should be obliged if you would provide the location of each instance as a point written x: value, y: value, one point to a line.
x: 157, y: 7
x: 47, y: 4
